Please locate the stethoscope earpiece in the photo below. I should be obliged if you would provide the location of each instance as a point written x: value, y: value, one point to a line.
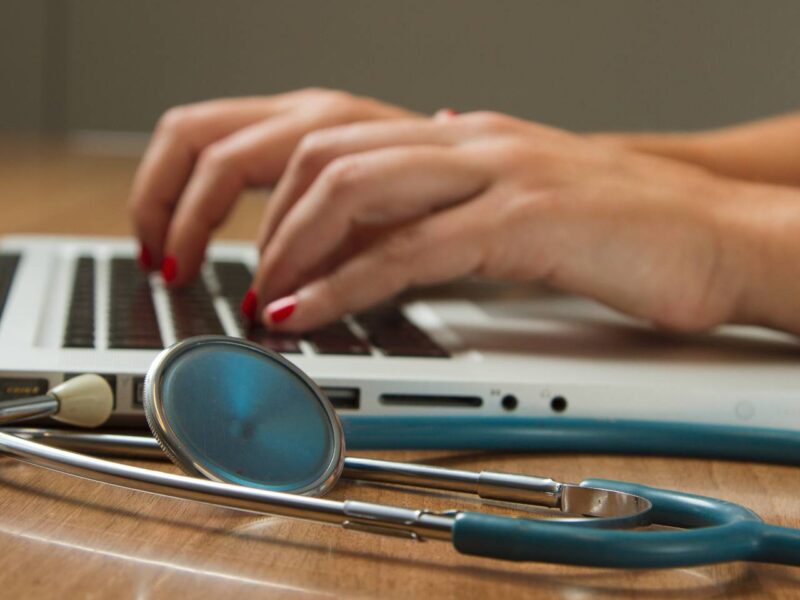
x: 83, y: 401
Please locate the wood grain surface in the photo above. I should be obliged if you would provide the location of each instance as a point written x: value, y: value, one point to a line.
x: 64, y: 537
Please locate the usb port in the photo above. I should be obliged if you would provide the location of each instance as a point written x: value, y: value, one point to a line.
x: 138, y: 391
x: 431, y: 400
x: 343, y: 397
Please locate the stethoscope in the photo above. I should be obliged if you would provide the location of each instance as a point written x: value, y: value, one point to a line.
x: 256, y: 434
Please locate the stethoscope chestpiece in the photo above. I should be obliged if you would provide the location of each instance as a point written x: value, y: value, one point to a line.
x: 233, y: 411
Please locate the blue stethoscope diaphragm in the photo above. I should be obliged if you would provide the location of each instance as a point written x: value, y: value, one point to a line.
x: 233, y: 411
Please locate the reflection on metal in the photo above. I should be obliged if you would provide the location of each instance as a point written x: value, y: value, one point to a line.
x: 615, y: 508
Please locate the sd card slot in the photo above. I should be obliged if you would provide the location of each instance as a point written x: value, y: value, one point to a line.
x: 431, y: 400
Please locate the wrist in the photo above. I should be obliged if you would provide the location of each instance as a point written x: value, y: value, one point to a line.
x: 685, y: 147
x: 760, y: 242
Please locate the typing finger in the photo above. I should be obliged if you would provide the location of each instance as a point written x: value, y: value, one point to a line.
x: 391, y: 185
x: 182, y: 133
x: 441, y: 247
x: 254, y: 156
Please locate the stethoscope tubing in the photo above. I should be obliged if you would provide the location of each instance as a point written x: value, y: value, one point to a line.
x: 720, y: 532
x: 573, y: 435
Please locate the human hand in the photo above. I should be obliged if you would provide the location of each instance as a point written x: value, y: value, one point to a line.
x: 203, y: 155
x: 364, y: 211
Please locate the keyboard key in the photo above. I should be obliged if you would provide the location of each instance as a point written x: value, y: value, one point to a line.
x: 132, y: 321
x: 284, y: 343
x: 390, y: 331
x: 337, y: 339
x: 193, y: 311
x: 79, y: 332
x: 234, y: 280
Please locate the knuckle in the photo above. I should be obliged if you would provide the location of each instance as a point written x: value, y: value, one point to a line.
x: 511, y: 151
x: 342, y: 174
x: 490, y: 121
x: 313, y: 151
x: 317, y: 93
x: 216, y: 159
x: 402, y: 246
x: 176, y: 121
x: 336, y: 97
x: 338, y: 104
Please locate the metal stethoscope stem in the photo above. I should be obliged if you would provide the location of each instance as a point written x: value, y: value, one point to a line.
x: 620, y: 509
x: 23, y: 409
x: 374, y: 518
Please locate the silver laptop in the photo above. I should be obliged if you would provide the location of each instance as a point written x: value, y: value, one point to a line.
x: 72, y: 305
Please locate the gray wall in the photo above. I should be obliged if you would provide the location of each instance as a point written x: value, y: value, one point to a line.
x: 589, y: 64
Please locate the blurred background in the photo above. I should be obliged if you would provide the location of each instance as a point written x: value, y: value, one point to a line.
x: 94, y: 65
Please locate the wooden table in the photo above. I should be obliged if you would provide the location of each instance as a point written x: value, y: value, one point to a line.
x: 65, y: 537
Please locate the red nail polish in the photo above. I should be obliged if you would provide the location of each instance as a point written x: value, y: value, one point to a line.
x: 249, y: 303
x: 445, y: 114
x: 145, y: 259
x: 281, y: 309
x: 169, y: 269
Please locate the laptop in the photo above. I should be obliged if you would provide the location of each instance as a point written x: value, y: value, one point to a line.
x: 72, y: 305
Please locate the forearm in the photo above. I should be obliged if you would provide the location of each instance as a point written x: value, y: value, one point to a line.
x: 764, y: 151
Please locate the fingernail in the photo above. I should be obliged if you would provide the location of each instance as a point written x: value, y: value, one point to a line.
x: 281, y: 309
x: 249, y: 303
x: 169, y: 269
x: 145, y: 259
x: 445, y: 113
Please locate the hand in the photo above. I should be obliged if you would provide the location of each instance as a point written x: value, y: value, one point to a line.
x: 364, y: 211
x: 203, y: 155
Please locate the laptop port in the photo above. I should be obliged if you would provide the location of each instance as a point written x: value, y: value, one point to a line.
x: 431, y: 400
x: 558, y: 404
x: 343, y: 397
x: 138, y: 391
x: 509, y: 402
x: 18, y: 387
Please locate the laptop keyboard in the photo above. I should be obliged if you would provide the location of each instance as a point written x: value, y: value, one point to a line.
x: 8, y: 266
x: 133, y: 323
x: 193, y: 312
x: 80, y: 322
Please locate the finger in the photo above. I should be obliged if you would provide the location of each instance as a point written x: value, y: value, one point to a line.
x: 444, y: 114
x: 442, y: 247
x: 182, y: 133
x: 320, y: 148
x: 254, y: 156
x: 386, y: 186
